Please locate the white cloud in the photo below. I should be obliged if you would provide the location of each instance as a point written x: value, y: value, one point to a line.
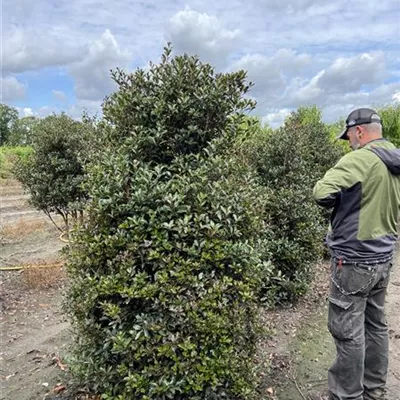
x: 396, y: 97
x: 346, y: 83
x: 92, y: 74
x: 271, y: 74
x: 276, y: 118
x: 320, y: 27
x: 266, y: 76
x: 340, y: 107
x: 75, y: 111
x: 92, y: 107
x: 25, y: 50
x: 307, y: 94
x: 344, y: 77
x: 11, y: 89
x: 385, y: 93
x: 349, y: 74
x: 334, y: 112
x: 28, y: 112
x: 289, y: 5
x: 202, y: 34
x: 45, y: 111
x: 59, y: 95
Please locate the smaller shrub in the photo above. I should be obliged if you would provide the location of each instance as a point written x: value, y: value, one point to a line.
x: 53, y: 173
x: 289, y: 161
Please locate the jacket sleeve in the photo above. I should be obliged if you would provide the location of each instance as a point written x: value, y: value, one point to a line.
x: 350, y: 170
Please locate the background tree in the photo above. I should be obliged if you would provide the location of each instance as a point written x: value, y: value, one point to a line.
x: 390, y: 115
x: 23, y: 131
x: 53, y: 173
x: 8, y: 119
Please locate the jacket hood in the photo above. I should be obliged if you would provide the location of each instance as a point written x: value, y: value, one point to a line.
x: 390, y: 157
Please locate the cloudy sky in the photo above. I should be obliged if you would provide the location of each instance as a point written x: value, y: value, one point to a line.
x: 57, y: 54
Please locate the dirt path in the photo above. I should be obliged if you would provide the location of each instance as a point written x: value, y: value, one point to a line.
x: 34, y: 338
x: 26, y: 235
x: 33, y: 330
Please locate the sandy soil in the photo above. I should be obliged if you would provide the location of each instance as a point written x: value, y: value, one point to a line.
x: 34, y: 331
x: 34, y: 338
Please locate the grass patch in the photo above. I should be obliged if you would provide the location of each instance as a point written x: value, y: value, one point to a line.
x: 312, y: 353
x: 8, y: 156
x: 44, y: 275
x: 20, y: 229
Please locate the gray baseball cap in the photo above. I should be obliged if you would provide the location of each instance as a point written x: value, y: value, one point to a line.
x: 360, y: 116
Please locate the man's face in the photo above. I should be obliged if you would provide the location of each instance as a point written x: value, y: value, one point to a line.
x: 353, y: 135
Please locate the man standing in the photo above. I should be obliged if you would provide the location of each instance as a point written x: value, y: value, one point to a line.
x: 364, y: 190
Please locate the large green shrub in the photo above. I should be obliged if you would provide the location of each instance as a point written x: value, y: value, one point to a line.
x: 289, y: 161
x: 164, y: 274
x: 52, y: 174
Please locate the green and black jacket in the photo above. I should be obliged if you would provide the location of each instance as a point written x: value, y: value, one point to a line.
x: 364, y: 190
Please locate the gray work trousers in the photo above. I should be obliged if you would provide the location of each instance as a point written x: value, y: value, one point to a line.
x: 357, y: 322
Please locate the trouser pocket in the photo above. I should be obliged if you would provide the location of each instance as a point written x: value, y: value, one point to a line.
x: 384, y: 275
x: 340, y: 317
x: 355, y: 279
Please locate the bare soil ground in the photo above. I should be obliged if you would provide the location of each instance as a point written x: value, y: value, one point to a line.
x: 34, y: 331
x: 35, y: 334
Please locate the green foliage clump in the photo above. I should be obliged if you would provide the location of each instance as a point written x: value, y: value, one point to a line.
x: 23, y: 131
x: 391, y: 122
x: 53, y: 172
x: 334, y: 129
x: 8, y: 121
x: 289, y: 161
x: 165, y: 123
x: 164, y: 275
x: 9, y: 155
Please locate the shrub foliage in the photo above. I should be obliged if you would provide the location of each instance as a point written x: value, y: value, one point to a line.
x: 164, y: 274
x: 53, y: 172
x: 390, y: 115
x: 289, y: 161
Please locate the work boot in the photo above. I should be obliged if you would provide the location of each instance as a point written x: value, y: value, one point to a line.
x: 376, y: 394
